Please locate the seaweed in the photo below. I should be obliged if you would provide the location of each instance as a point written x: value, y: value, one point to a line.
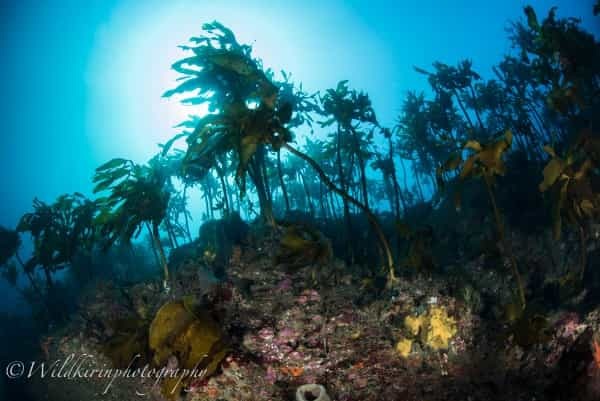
x: 573, y: 182
x: 59, y: 230
x: 249, y: 114
x: 138, y: 197
x: 486, y: 162
x: 128, y: 347
x: 191, y: 336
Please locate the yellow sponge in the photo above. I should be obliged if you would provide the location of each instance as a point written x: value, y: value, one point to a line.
x: 440, y: 329
x: 404, y: 347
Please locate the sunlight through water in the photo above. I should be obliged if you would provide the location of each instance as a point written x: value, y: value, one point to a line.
x: 130, y: 66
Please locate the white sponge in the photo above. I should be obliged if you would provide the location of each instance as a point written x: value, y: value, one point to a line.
x: 312, y: 392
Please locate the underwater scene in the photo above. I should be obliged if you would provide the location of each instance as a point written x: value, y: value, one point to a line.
x: 300, y: 200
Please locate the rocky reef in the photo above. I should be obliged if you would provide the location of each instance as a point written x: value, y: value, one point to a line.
x: 271, y: 328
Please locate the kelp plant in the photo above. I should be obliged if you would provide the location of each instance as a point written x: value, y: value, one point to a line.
x: 243, y: 112
x: 249, y: 114
x: 486, y: 162
x: 138, y: 197
x: 59, y: 231
x: 574, y: 183
x: 354, y: 119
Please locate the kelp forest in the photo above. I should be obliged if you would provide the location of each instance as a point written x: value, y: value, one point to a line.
x: 452, y: 255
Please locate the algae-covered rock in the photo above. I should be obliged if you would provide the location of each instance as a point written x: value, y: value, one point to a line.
x: 302, y: 245
x: 217, y: 239
x: 530, y: 330
x: 129, y: 345
x: 471, y: 297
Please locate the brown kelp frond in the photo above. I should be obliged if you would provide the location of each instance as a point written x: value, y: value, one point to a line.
x: 573, y: 182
